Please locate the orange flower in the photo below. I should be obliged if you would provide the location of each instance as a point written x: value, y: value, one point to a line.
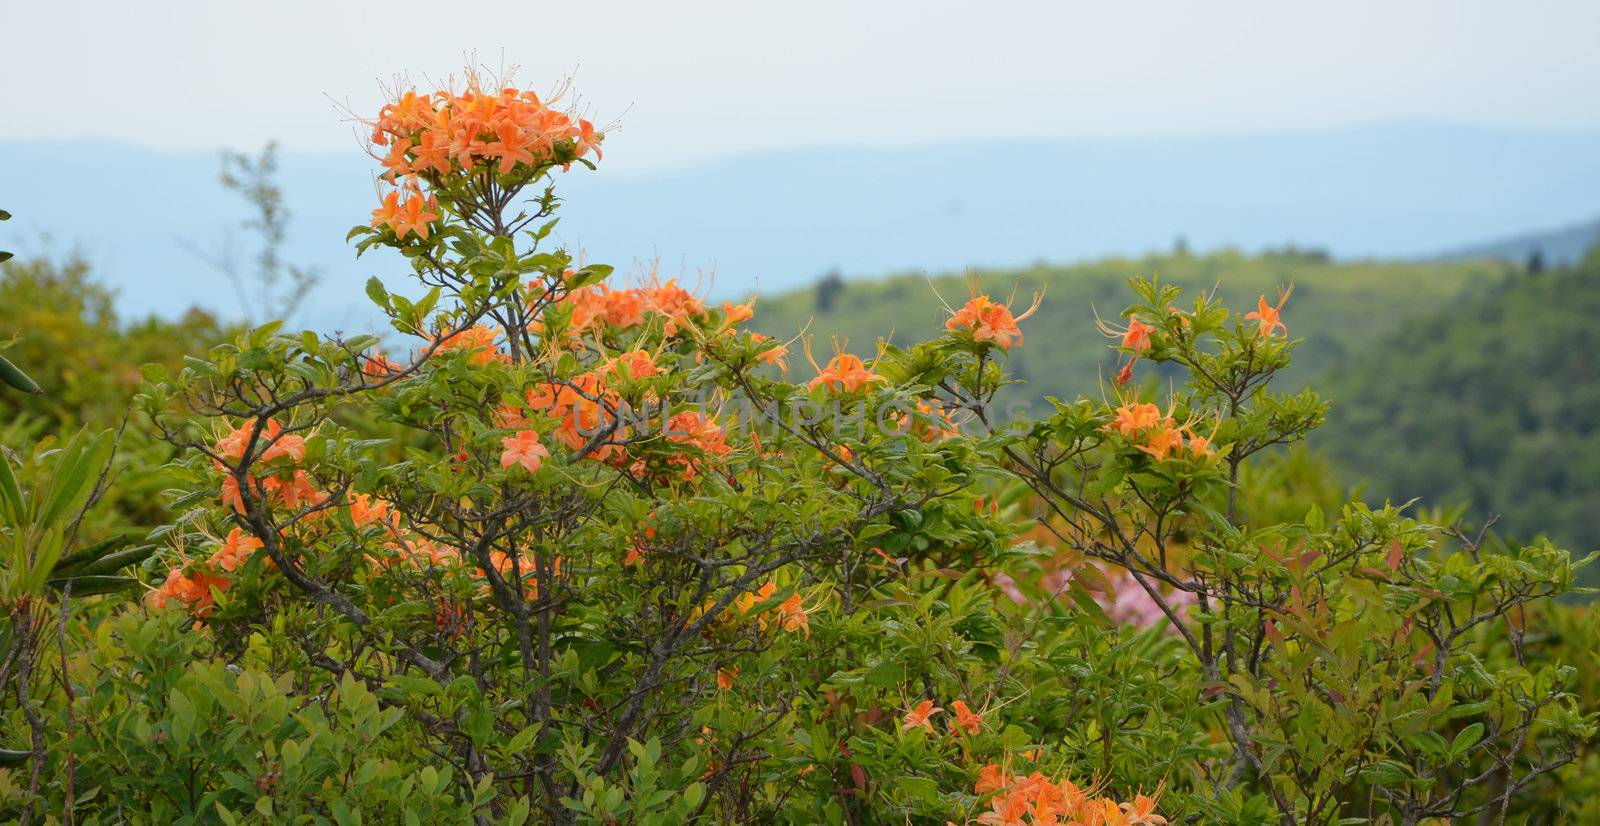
x: 624, y: 308
x: 230, y: 494
x: 695, y: 429
x: 918, y: 716
x: 523, y: 449
x: 271, y: 442
x: 966, y: 719
x: 1136, y: 337
x: 295, y: 493
x: 1132, y: 418
x: 988, y: 321
x: 588, y: 140
x: 233, y: 553
x: 192, y: 591
x: 792, y: 616
x: 991, y: 778
x: 846, y: 373
x: 1268, y: 316
x: 638, y: 365
x: 748, y: 601
x: 674, y: 302
x: 1006, y: 810
x: 726, y: 676
x: 364, y: 510
x: 479, y: 341
x: 413, y: 215
x: 771, y: 355
x: 1142, y: 811
x: 1162, y: 441
x: 378, y: 366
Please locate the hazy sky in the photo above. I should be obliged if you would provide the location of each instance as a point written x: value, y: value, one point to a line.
x: 693, y: 80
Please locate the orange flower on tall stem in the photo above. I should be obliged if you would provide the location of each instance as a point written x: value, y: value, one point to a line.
x: 1269, y: 316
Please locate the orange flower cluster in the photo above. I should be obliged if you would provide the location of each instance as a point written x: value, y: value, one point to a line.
x: 447, y: 132
x: 987, y: 321
x: 479, y: 341
x: 580, y: 405
x: 963, y: 720
x: 595, y: 306
x: 790, y: 615
x: 1036, y: 800
x: 1158, y: 435
x: 190, y: 591
x: 284, y: 484
x: 430, y: 136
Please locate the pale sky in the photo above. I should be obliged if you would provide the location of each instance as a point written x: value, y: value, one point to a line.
x: 697, y: 80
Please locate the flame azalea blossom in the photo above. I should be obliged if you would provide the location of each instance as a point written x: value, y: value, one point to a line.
x: 792, y: 616
x: 846, y: 373
x: 919, y: 715
x: 1162, y: 441
x: 991, y: 778
x: 1268, y: 315
x: 272, y: 442
x: 364, y: 510
x: 378, y: 366
x: 479, y: 341
x: 1142, y: 811
x: 772, y: 355
x: 1036, y: 800
x: 966, y: 720
x: 1133, y: 418
x: 523, y: 449
x: 192, y: 592
x: 1135, y: 338
x: 235, y: 550
x: 748, y: 601
x: 406, y: 217
x: 988, y: 321
x: 635, y: 365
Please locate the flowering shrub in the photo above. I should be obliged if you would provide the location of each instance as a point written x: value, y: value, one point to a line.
x: 569, y: 548
x: 583, y: 535
x: 1340, y: 653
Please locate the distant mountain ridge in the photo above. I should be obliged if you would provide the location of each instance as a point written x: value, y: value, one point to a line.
x: 1559, y: 247
x: 778, y: 220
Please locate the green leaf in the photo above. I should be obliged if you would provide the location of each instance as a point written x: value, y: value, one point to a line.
x: 1468, y: 738
x: 88, y: 586
x: 11, y: 375
x: 11, y: 503
x: 377, y: 293
x: 109, y: 564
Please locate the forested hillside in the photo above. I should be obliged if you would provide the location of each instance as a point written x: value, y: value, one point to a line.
x: 1492, y: 401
